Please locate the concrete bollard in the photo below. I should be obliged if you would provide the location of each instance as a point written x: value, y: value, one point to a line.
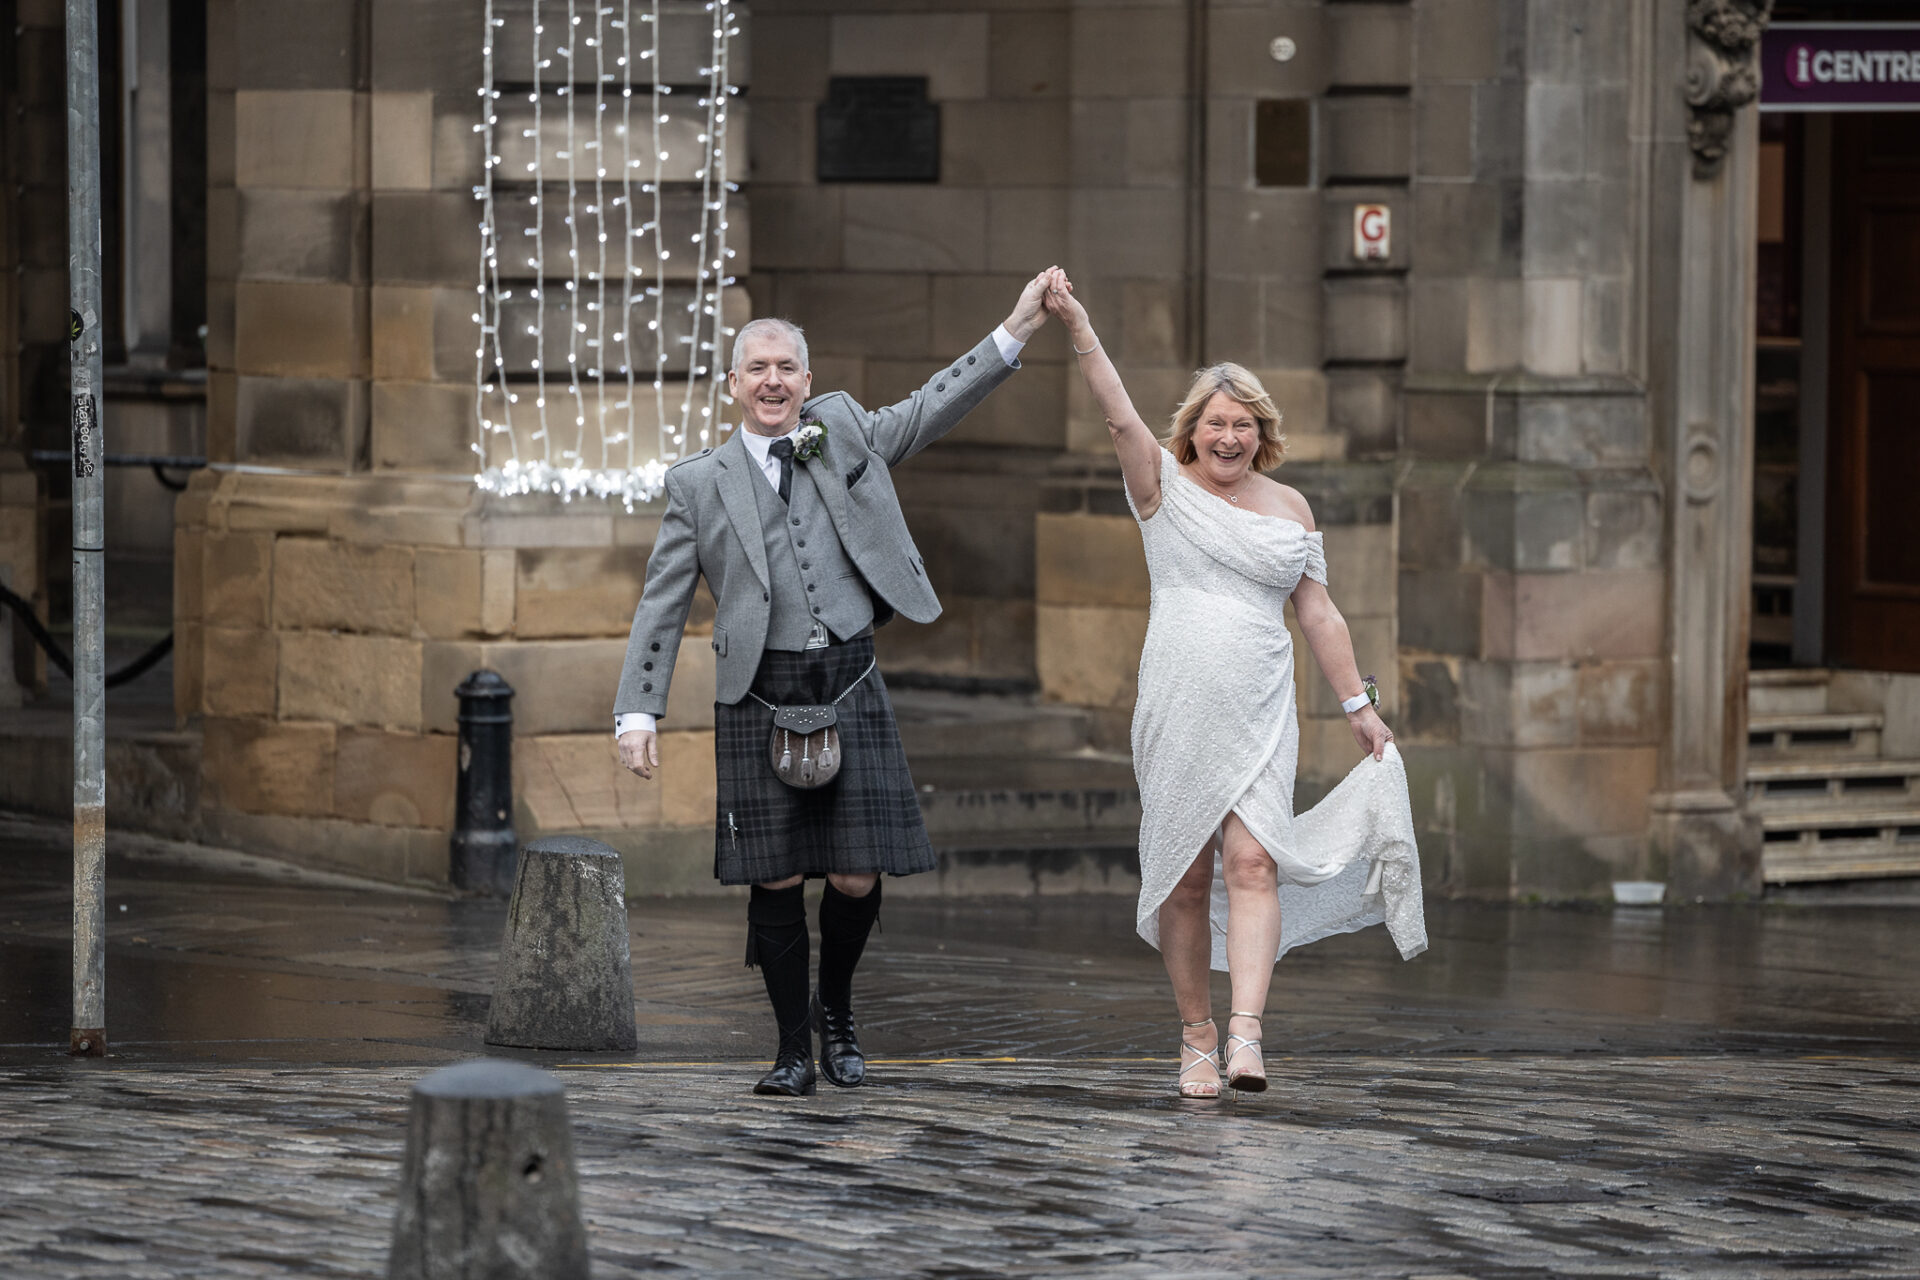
x: 565, y: 979
x: 488, y: 1188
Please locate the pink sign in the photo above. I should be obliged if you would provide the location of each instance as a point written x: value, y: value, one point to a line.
x: 1861, y: 66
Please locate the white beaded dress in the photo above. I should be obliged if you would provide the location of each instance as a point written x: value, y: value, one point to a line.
x: 1214, y: 732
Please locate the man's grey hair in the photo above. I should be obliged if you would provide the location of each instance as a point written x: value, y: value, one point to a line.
x: 770, y: 325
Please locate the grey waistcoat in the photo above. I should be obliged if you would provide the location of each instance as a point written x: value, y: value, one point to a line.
x: 713, y: 528
x: 809, y: 574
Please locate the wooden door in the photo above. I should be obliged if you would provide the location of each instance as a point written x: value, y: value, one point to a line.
x: 1873, y: 432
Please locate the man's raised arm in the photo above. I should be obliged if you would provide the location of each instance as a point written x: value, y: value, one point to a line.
x: 901, y: 430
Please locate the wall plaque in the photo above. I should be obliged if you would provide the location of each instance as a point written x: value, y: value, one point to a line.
x: 878, y: 129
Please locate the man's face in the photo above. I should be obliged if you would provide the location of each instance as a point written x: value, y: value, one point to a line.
x: 770, y: 384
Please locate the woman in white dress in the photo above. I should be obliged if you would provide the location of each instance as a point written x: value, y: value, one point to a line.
x: 1230, y: 878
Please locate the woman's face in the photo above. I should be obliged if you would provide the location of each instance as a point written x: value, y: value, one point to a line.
x: 1225, y: 439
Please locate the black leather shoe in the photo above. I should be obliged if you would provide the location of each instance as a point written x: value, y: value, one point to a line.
x: 792, y: 1075
x: 841, y: 1061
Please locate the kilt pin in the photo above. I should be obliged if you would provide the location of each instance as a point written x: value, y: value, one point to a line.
x: 802, y: 569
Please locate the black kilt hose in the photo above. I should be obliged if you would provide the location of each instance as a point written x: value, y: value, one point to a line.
x: 866, y: 821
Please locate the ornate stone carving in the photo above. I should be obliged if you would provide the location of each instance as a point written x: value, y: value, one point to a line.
x: 1723, y: 72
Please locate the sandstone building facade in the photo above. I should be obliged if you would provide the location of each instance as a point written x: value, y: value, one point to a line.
x: 1526, y: 422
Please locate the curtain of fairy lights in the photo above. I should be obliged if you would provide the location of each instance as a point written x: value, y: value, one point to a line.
x: 600, y: 359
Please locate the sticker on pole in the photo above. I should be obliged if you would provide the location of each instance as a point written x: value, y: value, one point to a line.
x: 1372, y: 233
x: 85, y: 423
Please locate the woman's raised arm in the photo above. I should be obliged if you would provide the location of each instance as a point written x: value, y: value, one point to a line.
x: 1136, y: 446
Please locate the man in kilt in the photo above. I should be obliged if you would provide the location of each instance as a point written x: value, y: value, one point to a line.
x: 795, y: 525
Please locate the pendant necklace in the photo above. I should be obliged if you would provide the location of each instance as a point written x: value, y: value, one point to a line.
x: 1234, y: 498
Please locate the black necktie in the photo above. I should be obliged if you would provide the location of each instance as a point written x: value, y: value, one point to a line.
x: 783, y: 450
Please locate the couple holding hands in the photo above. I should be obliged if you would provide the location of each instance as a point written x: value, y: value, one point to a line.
x: 794, y: 523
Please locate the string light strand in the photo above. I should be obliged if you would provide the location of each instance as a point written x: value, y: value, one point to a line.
x: 596, y: 350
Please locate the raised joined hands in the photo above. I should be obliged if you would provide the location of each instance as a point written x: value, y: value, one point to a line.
x: 1030, y: 312
x: 1061, y: 302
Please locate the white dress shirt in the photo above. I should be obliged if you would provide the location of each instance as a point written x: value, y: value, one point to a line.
x: 760, y: 448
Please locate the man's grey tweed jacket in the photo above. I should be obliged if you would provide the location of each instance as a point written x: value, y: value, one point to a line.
x: 712, y: 527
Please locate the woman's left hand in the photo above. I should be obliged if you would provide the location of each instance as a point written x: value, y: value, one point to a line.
x: 1370, y: 731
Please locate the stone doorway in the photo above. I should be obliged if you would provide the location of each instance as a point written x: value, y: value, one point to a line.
x: 1833, y: 763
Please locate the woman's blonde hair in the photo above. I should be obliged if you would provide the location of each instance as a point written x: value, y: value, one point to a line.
x: 1239, y: 383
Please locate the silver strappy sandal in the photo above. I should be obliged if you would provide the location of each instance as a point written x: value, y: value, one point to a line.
x: 1245, y: 1081
x: 1202, y: 1057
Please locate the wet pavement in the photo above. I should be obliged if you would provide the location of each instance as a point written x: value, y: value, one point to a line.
x: 1546, y: 1092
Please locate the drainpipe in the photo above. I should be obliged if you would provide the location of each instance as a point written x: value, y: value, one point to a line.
x: 1196, y: 257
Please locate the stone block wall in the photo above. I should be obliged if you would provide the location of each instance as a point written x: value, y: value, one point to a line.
x: 1469, y: 416
x: 1280, y: 293
x: 1532, y: 545
x: 330, y: 621
x: 890, y: 280
x: 337, y: 573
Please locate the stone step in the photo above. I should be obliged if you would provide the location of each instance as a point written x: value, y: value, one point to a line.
x: 1841, y: 819
x: 938, y: 723
x: 978, y: 803
x: 1787, y: 691
x: 1802, y: 784
x: 1813, y: 735
x: 1840, y: 844
x: 1023, y: 863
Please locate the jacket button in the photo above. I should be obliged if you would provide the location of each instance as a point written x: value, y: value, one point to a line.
x: 646, y: 666
x: 816, y: 609
x: 796, y: 519
x: 956, y: 371
x: 765, y: 596
x: 809, y: 586
x: 805, y: 565
x: 655, y: 647
x: 969, y: 359
x: 939, y: 386
x: 801, y: 542
x: 646, y: 688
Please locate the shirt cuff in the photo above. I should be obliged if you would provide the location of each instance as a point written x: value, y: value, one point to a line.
x: 626, y: 724
x: 1009, y: 346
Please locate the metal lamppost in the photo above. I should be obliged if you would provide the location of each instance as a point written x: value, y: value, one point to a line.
x: 88, y: 1035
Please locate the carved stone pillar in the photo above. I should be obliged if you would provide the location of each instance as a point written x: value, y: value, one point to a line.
x: 1701, y: 829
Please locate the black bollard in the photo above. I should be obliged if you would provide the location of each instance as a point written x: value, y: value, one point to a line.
x: 483, y: 841
x: 488, y: 1187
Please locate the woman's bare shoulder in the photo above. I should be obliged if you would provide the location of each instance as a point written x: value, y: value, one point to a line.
x: 1283, y: 500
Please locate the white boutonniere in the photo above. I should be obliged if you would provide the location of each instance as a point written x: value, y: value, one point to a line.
x: 809, y: 439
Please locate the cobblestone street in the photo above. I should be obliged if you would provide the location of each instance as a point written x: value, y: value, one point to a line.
x: 1698, y: 1093
x: 1352, y: 1165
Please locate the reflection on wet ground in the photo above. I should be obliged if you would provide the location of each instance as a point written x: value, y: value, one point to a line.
x: 200, y: 969
x: 1724, y: 1092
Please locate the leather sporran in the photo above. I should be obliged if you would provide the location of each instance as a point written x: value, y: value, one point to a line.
x: 805, y: 748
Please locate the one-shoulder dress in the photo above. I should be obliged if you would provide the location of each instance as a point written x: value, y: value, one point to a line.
x: 1215, y: 732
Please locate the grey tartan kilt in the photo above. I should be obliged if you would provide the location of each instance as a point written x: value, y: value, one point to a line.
x: 866, y: 821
